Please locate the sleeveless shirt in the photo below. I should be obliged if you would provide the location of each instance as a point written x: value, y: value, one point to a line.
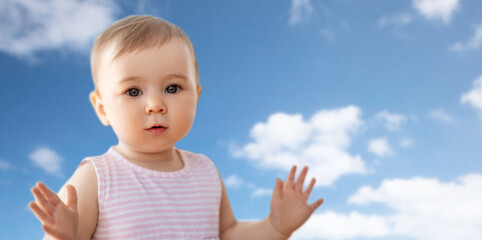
x: 139, y: 203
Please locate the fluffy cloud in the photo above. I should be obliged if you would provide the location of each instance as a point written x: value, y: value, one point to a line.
x: 441, y: 115
x: 436, y: 9
x: 429, y: 209
x: 29, y: 26
x: 233, y: 181
x: 474, y: 96
x: 328, y: 34
x: 48, y: 160
x: 419, y: 208
x: 380, y: 147
x: 473, y: 43
x: 259, y: 192
x: 397, y: 20
x: 406, y: 142
x: 392, y: 121
x: 4, y: 165
x: 332, y: 225
x: 300, y: 11
x: 320, y: 143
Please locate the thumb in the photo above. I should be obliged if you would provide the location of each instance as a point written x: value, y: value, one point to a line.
x: 71, y: 198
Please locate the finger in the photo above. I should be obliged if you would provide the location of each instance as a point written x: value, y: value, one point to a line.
x: 40, y: 214
x: 301, y: 179
x: 291, y: 177
x: 278, y: 189
x: 42, y: 201
x: 51, y: 196
x: 71, y: 197
x: 310, y: 187
x: 316, y: 204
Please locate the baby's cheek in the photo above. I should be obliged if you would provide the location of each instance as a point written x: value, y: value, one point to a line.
x: 185, y: 118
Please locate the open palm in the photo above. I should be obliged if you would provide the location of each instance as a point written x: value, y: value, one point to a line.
x: 289, y: 207
x: 59, y: 220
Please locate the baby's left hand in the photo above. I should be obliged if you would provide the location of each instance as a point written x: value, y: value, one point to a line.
x: 289, y: 207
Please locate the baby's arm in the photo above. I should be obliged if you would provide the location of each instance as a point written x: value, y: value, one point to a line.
x: 289, y: 210
x: 74, y: 211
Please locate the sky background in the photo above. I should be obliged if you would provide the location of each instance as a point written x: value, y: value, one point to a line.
x: 381, y: 99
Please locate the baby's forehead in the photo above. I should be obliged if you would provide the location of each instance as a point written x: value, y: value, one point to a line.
x: 112, y: 54
x: 115, y: 50
x: 172, y: 56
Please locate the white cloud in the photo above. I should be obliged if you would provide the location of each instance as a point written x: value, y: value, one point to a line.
x: 332, y: 225
x: 474, y: 96
x: 380, y: 147
x: 393, y: 121
x: 473, y: 43
x: 48, y: 160
x: 441, y: 115
x: 29, y: 26
x: 328, y: 34
x: 234, y: 181
x: 436, y: 9
x: 259, y: 192
x: 300, y: 11
x: 397, y: 20
x: 320, y: 143
x: 429, y: 209
x: 406, y: 143
x: 5, y: 166
x: 419, y: 208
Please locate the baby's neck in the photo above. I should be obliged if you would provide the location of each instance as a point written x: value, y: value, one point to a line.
x: 163, y: 161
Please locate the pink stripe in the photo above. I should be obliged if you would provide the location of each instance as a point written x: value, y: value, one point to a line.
x: 165, y: 186
x: 159, y: 233
x: 186, y: 208
x: 125, y: 179
x: 181, y: 221
x: 107, y: 227
x: 160, y: 213
x: 162, y: 193
x: 122, y: 226
x: 120, y: 207
x: 120, y: 168
x: 126, y: 198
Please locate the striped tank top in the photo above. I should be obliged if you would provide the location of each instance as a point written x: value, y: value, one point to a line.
x: 139, y: 203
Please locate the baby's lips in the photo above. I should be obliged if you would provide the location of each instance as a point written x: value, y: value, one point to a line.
x: 156, y: 126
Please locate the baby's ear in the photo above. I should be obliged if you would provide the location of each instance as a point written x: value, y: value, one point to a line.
x: 98, y: 105
x: 199, y: 90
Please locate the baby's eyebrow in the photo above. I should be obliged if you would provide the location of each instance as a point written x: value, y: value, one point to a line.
x: 166, y: 77
x: 175, y: 75
x: 128, y: 79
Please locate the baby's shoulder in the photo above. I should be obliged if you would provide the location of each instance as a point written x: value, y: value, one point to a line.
x: 84, y: 175
x: 196, y: 158
x: 190, y: 154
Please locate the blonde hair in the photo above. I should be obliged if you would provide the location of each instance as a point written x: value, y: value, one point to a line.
x: 134, y: 33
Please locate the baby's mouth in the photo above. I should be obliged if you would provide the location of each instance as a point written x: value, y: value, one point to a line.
x: 156, y: 129
x: 157, y: 126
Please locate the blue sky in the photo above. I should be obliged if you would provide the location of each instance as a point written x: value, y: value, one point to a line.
x: 382, y: 99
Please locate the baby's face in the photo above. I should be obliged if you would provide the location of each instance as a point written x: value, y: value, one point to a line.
x: 149, y: 97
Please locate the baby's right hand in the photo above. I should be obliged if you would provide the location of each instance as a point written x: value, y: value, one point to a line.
x: 59, y: 221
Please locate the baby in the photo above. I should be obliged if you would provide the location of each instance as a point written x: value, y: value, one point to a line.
x: 147, y: 89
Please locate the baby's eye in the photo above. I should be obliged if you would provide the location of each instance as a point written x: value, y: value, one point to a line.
x: 172, y: 89
x: 133, y: 92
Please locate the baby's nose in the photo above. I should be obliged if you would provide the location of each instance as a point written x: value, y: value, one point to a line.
x: 156, y: 105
